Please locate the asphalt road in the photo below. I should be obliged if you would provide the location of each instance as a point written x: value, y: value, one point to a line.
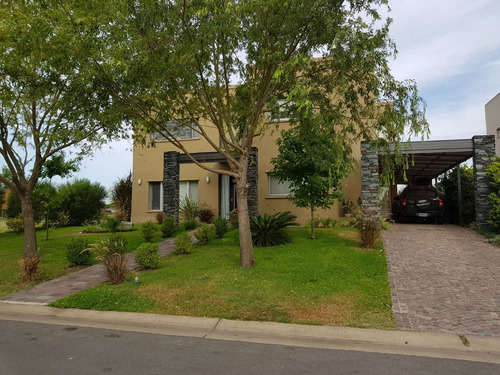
x: 34, y: 348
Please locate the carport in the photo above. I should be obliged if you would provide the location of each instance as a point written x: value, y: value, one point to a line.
x: 428, y: 160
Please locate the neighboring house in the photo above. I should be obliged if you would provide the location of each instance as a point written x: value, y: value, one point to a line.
x: 492, y: 114
x: 217, y: 191
x: 3, y: 207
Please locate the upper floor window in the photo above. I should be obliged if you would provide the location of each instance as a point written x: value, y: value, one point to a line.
x: 282, y: 112
x: 180, y: 131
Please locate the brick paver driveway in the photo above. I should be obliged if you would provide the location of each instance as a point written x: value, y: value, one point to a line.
x: 443, y: 278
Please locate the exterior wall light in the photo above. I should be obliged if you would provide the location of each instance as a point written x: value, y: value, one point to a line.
x: 207, y: 179
x: 139, y: 181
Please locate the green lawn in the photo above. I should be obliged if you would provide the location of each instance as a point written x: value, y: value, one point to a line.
x: 53, y: 252
x: 327, y: 281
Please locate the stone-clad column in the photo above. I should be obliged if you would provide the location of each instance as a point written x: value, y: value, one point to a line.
x: 484, y: 152
x: 171, y: 185
x: 253, y: 169
x: 370, y: 203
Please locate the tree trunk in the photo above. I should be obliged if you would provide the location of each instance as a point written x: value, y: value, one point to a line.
x: 30, y: 243
x: 246, y: 246
x: 313, y: 232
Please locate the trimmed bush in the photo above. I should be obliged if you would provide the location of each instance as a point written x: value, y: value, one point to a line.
x: 221, y: 227
x: 270, y: 230
x: 205, y: 233
x: 183, y: 244
x: 148, y: 256
x: 190, y: 225
x: 16, y: 225
x: 76, y: 252
x: 168, y: 227
x: 149, y: 231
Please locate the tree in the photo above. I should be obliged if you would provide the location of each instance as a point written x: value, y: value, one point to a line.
x: 50, y: 98
x: 175, y: 65
x: 82, y: 200
x: 121, y: 194
x: 313, y: 161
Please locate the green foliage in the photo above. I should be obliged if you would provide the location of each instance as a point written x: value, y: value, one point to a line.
x: 233, y: 218
x: 111, y: 224
x: 368, y: 230
x: 190, y: 224
x: 205, y: 233
x: 183, y: 244
x: 189, y: 209
x: 16, y: 224
x: 62, y: 219
x: 221, y: 227
x: 77, y: 253
x: 82, y: 200
x: 270, y: 230
x: 448, y: 190
x: 121, y: 195
x: 494, y: 172
x: 111, y: 252
x: 206, y: 214
x: 149, y: 231
x: 148, y: 256
x: 168, y: 227
x: 58, y: 166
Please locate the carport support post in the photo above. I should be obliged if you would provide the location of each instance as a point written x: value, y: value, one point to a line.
x: 459, y: 189
x: 370, y: 203
x: 484, y: 152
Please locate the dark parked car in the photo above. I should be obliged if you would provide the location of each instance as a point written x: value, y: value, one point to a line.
x: 418, y: 203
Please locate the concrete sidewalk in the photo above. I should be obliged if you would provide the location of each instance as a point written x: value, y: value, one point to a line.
x: 436, y: 345
x: 50, y: 291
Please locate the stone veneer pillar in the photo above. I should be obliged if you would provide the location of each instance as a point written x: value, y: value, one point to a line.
x: 253, y: 197
x: 171, y: 185
x: 484, y: 152
x: 370, y: 203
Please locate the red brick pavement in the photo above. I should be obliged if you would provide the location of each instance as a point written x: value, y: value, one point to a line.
x: 443, y: 278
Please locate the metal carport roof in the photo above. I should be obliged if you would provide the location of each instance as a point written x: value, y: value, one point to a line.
x: 432, y: 158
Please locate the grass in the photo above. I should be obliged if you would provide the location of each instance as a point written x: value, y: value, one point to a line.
x: 328, y: 281
x: 53, y: 252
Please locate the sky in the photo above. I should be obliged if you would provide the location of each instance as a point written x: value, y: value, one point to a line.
x: 451, y: 48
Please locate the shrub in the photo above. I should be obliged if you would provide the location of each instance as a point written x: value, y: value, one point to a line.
x: 168, y: 227
x: 221, y: 227
x: 111, y: 224
x: 327, y: 222
x: 183, y: 244
x: 16, y: 225
x: 62, y: 219
x: 159, y: 218
x: 205, y: 233
x: 233, y: 218
x: 270, y: 230
x: 189, y: 209
x: 82, y: 200
x: 29, y: 265
x: 206, y: 214
x: 368, y: 230
x: 77, y: 253
x: 148, y: 256
x: 93, y: 229
x: 149, y: 231
x: 111, y: 251
x: 190, y: 224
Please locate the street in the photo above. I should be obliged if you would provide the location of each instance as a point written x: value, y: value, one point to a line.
x: 34, y: 348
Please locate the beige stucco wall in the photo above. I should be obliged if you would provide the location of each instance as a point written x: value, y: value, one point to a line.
x: 492, y: 114
x: 148, y: 167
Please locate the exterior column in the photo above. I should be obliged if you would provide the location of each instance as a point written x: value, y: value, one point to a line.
x: 171, y: 185
x: 253, y: 197
x: 370, y: 203
x: 484, y: 152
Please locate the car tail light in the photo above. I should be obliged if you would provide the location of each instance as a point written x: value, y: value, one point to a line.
x: 440, y: 202
x: 404, y: 202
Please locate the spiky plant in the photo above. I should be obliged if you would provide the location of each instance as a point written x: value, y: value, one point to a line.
x: 270, y: 230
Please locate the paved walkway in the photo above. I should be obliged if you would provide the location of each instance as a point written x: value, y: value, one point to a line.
x: 53, y: 290
x: 443, y: 278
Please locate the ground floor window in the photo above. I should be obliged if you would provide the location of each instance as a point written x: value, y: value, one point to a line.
x: 188, y: 189
x: 155, y: 196
x: 278, y: 188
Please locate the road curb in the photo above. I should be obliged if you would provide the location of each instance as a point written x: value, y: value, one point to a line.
x: 436, y: 345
